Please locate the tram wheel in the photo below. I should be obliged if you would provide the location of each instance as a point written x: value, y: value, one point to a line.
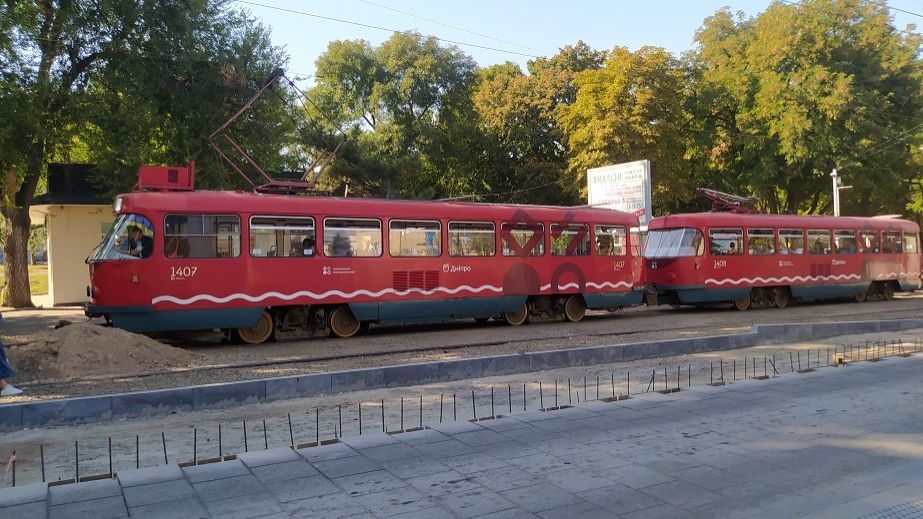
x: 861, y: 296
x: 743, y: 303
x: 259, y: 332
x: 781, y: 297
x: 887, y: 291
x: 574, y: 308
x: 518, y: 316
x: 343, y: 323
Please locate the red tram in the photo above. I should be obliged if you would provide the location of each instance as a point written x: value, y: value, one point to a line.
x: 771, y: 259
x: 281, y: 266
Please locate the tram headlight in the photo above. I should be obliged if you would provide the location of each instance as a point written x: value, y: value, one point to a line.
x: 117, y: 205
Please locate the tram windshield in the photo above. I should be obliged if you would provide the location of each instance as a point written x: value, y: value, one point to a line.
x: 130, y: 238
x: 674, y: 243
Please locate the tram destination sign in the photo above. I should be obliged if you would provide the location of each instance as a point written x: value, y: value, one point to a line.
x: 623, y: 187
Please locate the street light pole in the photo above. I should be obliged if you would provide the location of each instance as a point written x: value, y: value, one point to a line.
x: 836, y: 192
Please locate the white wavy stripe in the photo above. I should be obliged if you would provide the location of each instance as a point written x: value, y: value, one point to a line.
x: 362, y: 292
x: 898, y: 274
x: 728, y: 281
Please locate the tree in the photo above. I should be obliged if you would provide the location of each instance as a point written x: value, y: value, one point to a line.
x: 395, y: 101
x: 64, y: 59
x: 630, y: 109
x: 519, y: 113
x: 803, y: 89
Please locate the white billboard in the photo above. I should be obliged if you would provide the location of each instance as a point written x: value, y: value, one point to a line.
x: 623, y: 187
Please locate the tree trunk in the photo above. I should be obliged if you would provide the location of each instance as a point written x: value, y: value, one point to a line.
x: 16, y: 294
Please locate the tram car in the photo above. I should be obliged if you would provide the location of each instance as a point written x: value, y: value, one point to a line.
x: 264, y: 266
x: 748, y: 259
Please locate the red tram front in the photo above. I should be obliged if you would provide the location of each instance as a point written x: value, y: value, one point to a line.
x: 284, y: 266
x: 770, y: 259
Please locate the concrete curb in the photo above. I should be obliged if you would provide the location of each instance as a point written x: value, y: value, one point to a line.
x: 147, y: 403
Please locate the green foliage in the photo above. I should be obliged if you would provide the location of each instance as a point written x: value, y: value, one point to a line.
x: 631, y: 109
x: 782, y: 99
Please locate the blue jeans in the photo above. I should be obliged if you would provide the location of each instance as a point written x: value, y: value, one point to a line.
x: 6, y: 371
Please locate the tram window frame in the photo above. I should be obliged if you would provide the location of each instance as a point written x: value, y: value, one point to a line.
x: 191, y: 241
x: 761, y: 233
x: 865, y: 247
x: 537, y: 250
x: 842, y: 233
x: 438, y: 242
x: 611, y: 231
x: 284, y: 224
x: 818, y: 234
x: 377, y: 247
x: 452, y: 234
x: 732, y: 231
x: 895, y: 245
x: 788, y: 234
x: 911, y: 243
x: 582, y: 249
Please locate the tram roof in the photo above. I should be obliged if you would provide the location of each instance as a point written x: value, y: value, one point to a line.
x: 779, y: 220
x: 293, y: 205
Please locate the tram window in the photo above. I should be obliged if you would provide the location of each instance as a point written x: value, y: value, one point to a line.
x: 202, y: 235
x: 725, y: 242
x: 674, y: 243
x: 570, y: 240
x: 636, y: 240
x: 818, y: 242
x: 911, y: 244
x: 610, y: 241
x: 130, y: 237
x: 845, y: 242
x: 761, y: 242
x: 791, y: 241
x: 523, y: 239
x: 472, y: 239
x: 414, y: 238
x: 891, y: 242
x: 281, y: 236
x: 352, y: 237
x: 868, y: 242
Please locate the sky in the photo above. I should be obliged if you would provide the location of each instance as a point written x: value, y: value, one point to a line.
x: 514, y: 30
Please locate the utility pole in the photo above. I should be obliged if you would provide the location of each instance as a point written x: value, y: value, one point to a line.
x: 837, y: 186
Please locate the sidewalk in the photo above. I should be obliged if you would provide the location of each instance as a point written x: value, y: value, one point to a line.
x: 838, y: 442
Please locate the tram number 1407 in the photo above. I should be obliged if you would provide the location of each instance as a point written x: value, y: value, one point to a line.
x: 181, y: 273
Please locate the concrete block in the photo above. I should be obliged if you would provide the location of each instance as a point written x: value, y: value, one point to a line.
x: 742, y: 340
x: 213, y: 471
x: 109, y: 507
x: 641, y: 350
x: 282, y: 388
x: 142, y: 495
x: 460, y: 369
x: 548, y: 359
x: 10, y: 417
x: 174, y: 509
x: 676, y: 347
x: 245, y: 507
x: 66, y: 410
x: 33, y: 510
x: 505, y: 365
x: 64, y: 494
x: 315, y: 384
x: 12, y: 496
x: 410, y: 374
x: 713, y: 343
x: 148, y: 403
x: 268, y: 457
x: 227, y: 488
x: 358, y: 379
x: 594, y: 355
x: 224, y: 395
x: 146, y: 476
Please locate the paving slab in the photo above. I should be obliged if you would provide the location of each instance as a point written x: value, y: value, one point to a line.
x: 834, y: 448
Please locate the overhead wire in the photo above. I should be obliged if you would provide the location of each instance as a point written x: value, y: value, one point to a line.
x: 451, y: 26
x: 380, y: 28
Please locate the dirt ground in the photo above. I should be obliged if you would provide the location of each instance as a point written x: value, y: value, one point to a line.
x: 183, y: 436
x: 220, y: 362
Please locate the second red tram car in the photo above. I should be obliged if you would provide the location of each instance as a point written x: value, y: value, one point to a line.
x: 770, y: 259
x: 283, y: 266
